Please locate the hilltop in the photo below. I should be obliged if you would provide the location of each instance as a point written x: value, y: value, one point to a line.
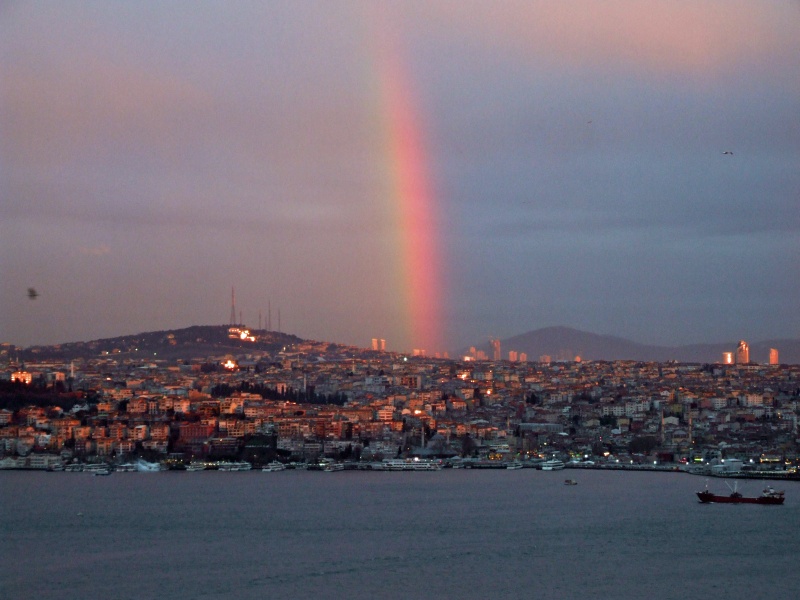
x: 198, y: 341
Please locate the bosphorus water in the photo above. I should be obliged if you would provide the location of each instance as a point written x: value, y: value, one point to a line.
x: 448, y: 534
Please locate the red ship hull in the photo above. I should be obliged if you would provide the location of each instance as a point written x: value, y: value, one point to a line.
x: 735, y: 498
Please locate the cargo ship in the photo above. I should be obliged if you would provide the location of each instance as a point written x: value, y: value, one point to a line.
x: 768, y: 496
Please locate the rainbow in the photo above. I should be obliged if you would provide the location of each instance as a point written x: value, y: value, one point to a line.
x: 412, y: 202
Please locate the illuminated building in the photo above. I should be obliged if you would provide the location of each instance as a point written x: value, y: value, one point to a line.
x: 496, y: 350
x: 727, y: 358
x: 22, y: 376
x: 773, y: 356
x: 742, y: 353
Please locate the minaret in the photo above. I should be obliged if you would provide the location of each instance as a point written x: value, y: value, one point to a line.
x: 233, y: 306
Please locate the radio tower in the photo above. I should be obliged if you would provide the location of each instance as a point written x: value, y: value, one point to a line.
x: 233, y: 306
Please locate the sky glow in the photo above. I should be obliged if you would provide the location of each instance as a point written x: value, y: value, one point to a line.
x: 432, y: 173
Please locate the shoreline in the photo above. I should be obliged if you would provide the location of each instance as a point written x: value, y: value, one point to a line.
x: 761, y: 475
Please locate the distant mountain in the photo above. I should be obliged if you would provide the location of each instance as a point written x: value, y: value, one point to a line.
x: 560, y: 343
x: 565, y: 343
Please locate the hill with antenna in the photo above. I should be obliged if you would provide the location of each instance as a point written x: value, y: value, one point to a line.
x: 198, y: 341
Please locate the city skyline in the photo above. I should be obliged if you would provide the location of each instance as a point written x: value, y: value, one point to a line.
x: 430, y: 174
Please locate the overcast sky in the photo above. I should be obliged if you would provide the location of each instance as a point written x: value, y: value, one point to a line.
x: 154, y: 154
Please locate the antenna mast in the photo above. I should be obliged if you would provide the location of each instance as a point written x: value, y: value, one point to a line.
x: 233, y: 306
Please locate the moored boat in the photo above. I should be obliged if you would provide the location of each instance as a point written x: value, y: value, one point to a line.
x: 570, y: 482
x: 97, y: 469
x: 552, y: 465
x: 273, y: 467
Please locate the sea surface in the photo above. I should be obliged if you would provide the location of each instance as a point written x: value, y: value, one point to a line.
x: 490, y: 534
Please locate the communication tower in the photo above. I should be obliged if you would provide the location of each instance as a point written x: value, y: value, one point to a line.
x: 233, y: 306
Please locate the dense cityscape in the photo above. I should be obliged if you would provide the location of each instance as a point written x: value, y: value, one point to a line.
x: 318, y: 405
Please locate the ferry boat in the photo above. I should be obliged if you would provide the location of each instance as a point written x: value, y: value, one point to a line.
x: 768, y: 496
x: 401, y: 464
x: 273, y: 467
x: 97, y: 469
x: 425, y: 465
x: 552, y: 465
x: 234, y: 466
x: 333, y: 467
x: 514, y: 465
x: 195, y: 466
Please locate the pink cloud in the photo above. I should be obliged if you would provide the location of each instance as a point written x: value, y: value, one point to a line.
x: 660, y: 37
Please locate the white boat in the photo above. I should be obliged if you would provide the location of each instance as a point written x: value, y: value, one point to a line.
x: 126, y: 468
x: 514, y: 465
x: 425, y: 465
x: 394, y: 464
x: 235, y: 466
x: 552, y: 465
x: 273, y: 467
x: 332, y: 467
x: 101, y: 468
x: 402, y: 464
x: 194, y: 466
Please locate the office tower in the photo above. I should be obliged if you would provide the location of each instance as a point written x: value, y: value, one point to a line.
x: 773, y: 356
x: 742, y: 353
x: 375, y: 344
x: 512, y: 356
x: 727, y: 358
x: 496, y: 350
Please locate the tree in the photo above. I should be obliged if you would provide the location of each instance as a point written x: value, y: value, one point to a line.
x: 467, y: 445
x: 643, y: 444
